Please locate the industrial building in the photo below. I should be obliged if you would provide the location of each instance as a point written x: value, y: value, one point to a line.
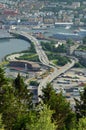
x: 24, y: 65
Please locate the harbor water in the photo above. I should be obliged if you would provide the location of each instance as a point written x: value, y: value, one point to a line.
x: 8, y: 46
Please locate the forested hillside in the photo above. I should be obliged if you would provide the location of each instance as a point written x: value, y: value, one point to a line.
x: 52, y: 113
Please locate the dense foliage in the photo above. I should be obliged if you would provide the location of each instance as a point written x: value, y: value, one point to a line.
x: 34, y: 83
x: 54, y: 53
x: 50, y: 46
x: 43, y: 122
x: 54, y: 113
x: 63, y: 115
x: 58, y: 59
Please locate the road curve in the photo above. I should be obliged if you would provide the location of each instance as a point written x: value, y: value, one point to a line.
x: 44, y: 60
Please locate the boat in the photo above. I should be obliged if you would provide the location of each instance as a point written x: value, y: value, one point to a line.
x: 67, y: 27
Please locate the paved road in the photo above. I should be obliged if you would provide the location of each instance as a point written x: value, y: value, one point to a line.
x: 44, y: 59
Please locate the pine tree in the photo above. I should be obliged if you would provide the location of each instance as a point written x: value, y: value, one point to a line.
x: 1, y: 125
x: 47, y: 91
x: 21, y: 91
x: 19, y: 84
x: 14, y: 113
x: 3, y: 79
x: 3, y: 83
x: 63, y: 114
x: 14, y: 103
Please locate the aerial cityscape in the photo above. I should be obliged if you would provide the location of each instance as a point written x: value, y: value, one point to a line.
x: 42, y: 64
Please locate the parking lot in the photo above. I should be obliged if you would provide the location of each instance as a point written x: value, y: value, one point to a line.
x: 71, y: 83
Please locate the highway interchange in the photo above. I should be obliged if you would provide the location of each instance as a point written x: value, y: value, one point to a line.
x: 44, y: 60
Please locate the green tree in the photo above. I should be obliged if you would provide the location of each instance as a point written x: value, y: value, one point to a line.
x: 13, y: 112
x: 34, y: 83
x: 21, y: 91
x: 43, y: 120
x: 47, y: 91
x: 19, y: 84
x: 81, y: 124
x: 9, y: 111
x: 14, y: 109
x: 63, y: 114
x: 70, y: 42
x: 80, y: 107
x: 61, y: 48
x: 3, y: 79
x: 3, y: 82
x: 1, y: 125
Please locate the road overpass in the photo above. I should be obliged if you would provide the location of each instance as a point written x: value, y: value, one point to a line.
x: 44, y: 59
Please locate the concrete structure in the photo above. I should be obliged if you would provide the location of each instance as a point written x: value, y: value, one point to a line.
x: 24, y: 65
x: 44, y: 60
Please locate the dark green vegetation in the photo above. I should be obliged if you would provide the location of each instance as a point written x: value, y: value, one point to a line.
x: 32, y: 48
x: 50, y: 46
x: 58, y: 59
x: 63, y: 115
x: 34, y: 83
x: 54, y: 113
x: 14, y: 102
x: 70, y: 42
x: 54, y: 53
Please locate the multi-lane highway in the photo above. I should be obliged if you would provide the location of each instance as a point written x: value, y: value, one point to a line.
x: 44, y: 59
x: 42, y: 56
